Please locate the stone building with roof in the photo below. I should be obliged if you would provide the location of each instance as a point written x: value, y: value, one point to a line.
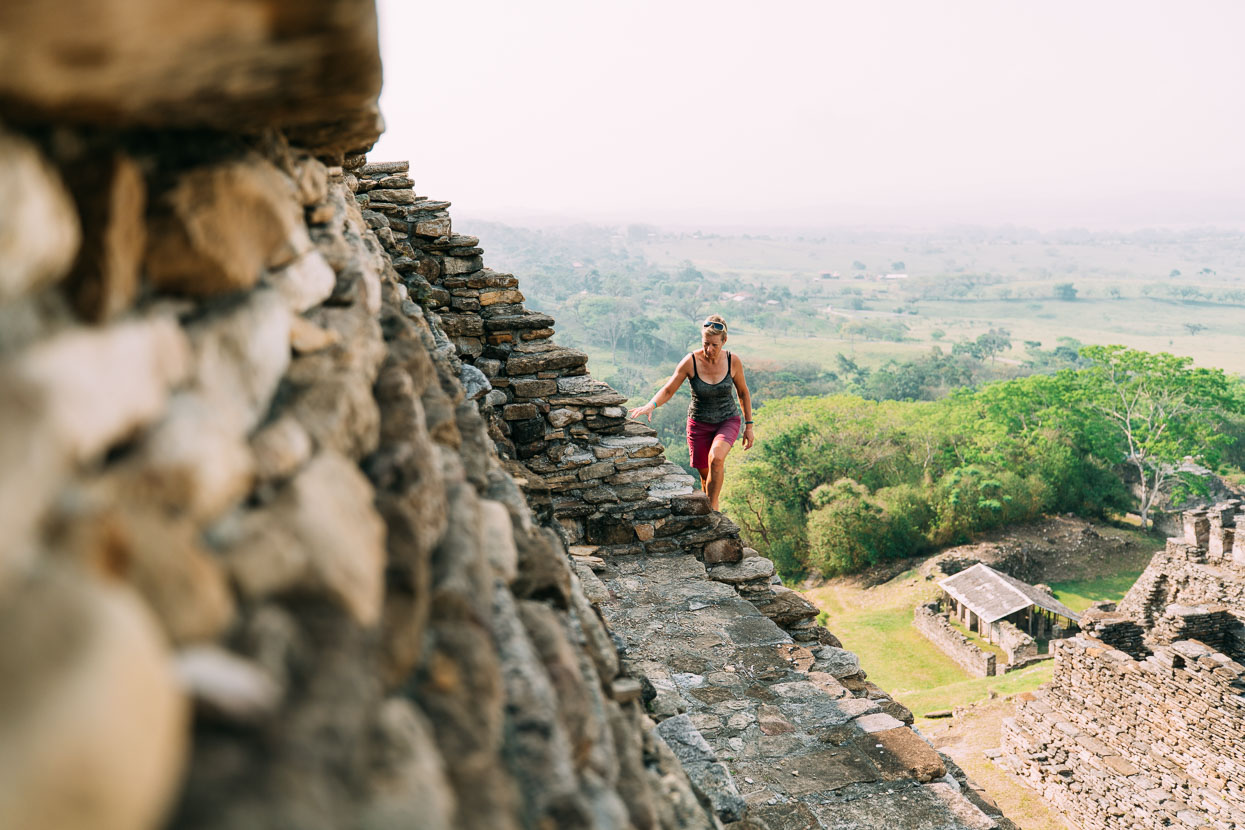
x: 1005, y: 611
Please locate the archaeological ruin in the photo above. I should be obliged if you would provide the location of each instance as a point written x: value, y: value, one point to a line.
x: 1143, y: 722
x: 309, y: 523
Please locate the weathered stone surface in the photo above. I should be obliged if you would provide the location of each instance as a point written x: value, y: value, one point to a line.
x: 280, y: 448
x: 320, y: 535
x: 241, y: 354
x: 786, y: 607
x: 220, y: 226
x: 225, y: 687
x: 92, y: 723
x: 757, y: 567
x: 585, y: 391
x: 306, y: 337
x: 128, y: 64
x: 306, y: 282
x: 112, y: 200
x: 39, y: 232
x: 708, y: 775
x: 723, y: 550
x: 68, y: 399
x: 559, y: 358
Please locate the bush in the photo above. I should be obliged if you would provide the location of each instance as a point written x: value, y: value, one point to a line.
x: 849, y: 530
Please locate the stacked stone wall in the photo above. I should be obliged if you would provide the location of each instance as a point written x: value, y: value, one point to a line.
x: 1141, y: 724
x: 936, y: 628
x: 309, y: 523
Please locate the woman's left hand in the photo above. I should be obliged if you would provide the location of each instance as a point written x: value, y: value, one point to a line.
x: 749, y: 437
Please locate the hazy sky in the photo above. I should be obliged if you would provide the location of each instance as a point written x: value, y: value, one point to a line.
x: 1095, y: 112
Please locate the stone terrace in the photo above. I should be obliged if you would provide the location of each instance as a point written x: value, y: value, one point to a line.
x: 1141, y: 725
x: 776, y: 725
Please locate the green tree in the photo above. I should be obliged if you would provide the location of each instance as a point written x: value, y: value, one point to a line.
x: 1065, y: 291
x: 1163, y: 410
x: 993, y: 342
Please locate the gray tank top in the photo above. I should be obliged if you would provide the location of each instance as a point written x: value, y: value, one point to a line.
x: 712, y: 403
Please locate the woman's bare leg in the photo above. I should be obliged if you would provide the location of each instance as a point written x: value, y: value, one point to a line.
x: 704, y: 478
x: 717, y: 470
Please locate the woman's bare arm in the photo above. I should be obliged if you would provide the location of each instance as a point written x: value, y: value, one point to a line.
x: 665, y: 393
x: 745, y: 400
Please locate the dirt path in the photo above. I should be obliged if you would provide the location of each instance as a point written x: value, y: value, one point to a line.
x: 966, y: 737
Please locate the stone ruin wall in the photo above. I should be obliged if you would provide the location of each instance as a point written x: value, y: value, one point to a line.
x: 935, y: 627
x: 1142, y: 723
x: 307, y: 522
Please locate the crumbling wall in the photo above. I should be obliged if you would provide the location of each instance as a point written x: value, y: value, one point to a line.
x: 935, y: 627
x: 1141, y: 724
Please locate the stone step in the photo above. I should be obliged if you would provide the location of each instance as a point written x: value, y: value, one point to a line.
x: 586, y: 391
x: 386, y: 168
x: 519, y: 322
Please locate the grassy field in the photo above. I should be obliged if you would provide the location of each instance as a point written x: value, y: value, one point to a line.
x: 876, y: 623
x: 1079, y: 595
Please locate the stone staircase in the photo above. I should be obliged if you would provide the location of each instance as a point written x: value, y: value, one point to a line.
x: 775, y: 723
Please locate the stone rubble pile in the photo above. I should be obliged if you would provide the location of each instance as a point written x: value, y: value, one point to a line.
x: 1142, y: 723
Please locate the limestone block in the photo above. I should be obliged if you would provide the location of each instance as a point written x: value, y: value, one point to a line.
x: 98, y: 386
x: 553, y: 359
x: 227, y: 687
x: 67, y: 399
x: 723, y: 550
x: 585, y: 391
x: 160, y: 556
x: 408, y: 786
x: 280, y: 449
x: 497, y: 537
x: 93, y: 726
x: 112, y: 201
x: 311, y: 178
x: 504, y: 295
x: 126, y: 63
x: 241, y: 354
x: 564, y: 417
x: 194, y: 461
x: 475, y: 383
x: 320, y: 535
x: 306, y: 282
x: 39, y: 232
x: 307, y: 338
x: 750, y: 568
x: 787, y: 607
x: 220, y: 226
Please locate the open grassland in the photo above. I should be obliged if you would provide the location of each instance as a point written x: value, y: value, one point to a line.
x: 1079, y: 595
x: 1123, y: 292
x: 876, y: 623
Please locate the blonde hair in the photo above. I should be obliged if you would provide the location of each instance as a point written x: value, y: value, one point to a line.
x: 717, y: 318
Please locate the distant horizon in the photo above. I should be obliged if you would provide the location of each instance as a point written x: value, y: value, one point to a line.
x: 1119, y: 114
x: 539, y: 219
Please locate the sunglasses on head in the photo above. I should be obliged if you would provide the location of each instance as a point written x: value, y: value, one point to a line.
x: 716, y: 326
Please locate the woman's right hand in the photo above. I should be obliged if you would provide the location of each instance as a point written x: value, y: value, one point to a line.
x: 646, y: 410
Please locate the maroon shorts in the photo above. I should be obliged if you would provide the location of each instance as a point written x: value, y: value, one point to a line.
x: 700, y: 438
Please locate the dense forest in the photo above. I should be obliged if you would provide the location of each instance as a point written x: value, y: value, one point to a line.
x: 840, y: 482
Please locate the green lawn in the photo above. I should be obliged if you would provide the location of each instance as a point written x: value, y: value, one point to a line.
x: 877, y: 625
x: 1079, y: 595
